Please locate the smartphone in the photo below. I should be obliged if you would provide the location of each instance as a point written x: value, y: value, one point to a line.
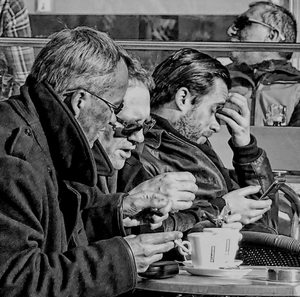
x: 161, y: 269
x: 275, y: 186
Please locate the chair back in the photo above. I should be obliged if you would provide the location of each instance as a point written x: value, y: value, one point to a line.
x: 264, y: 249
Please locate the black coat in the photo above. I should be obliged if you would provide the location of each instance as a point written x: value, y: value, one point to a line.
x: 47, y: 179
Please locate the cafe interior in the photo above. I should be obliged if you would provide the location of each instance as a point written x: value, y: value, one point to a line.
x: 151, y: 30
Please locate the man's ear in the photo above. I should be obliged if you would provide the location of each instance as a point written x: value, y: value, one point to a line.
x: 78, y: 101
x: 183, y: 100
x: 274, y: 36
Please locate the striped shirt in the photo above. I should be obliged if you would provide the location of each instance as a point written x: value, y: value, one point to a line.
x: 14, y: 22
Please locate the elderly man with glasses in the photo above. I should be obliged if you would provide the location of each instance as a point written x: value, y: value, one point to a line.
x: 268, y: 79
x: 48, y: 176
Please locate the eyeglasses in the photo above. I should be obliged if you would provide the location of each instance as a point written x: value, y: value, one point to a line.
x: 243, y: 21
x: 130, y: 127
x: 114, y: 108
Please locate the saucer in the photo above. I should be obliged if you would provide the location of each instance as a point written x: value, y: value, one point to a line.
x: 235, y: 264
x: 223, y: 272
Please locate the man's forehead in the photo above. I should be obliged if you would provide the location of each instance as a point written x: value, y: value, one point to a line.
x: 136, y: 103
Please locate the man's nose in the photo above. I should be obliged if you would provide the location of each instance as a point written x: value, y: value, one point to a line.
x: 231, y: 31
x: 215, y: 126
x: 113, y: 118
x: 137, y: 137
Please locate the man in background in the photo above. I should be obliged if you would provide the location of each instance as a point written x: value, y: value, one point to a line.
x: 267, y: 79
x: 16, y: 61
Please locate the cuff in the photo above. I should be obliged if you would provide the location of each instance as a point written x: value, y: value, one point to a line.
x: 247, y: 153
x: 218, y: 202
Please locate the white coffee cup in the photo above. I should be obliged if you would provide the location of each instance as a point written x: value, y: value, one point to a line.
x: 212, y: 248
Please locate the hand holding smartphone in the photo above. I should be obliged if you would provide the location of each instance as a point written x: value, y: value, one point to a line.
x: 274, y: 187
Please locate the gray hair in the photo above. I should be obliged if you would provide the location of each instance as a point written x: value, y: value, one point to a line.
x: 75, y: 58
x: 280, y: 18
x: 137, y: 73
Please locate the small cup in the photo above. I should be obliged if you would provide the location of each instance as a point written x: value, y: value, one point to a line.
x: 212, y: 248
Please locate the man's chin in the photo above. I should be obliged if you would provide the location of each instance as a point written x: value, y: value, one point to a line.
x: 118, y: 164
x: 202, y: 140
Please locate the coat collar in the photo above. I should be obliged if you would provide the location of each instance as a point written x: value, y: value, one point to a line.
x: 69, y: 148
x: 274, y: 70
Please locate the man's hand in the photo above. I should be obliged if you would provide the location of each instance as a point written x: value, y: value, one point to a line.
x: 233, y: 222
x: 180, y: 187
x: 249, y: 209
x: 138, y: 209
x: 237, y: 119
x: 149, y: 248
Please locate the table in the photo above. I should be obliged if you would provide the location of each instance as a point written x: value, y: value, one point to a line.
x: 253, y: 284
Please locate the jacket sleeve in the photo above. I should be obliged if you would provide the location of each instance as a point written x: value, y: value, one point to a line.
x: 34, y: 262
x: 105, y: 220
x: 252, y: 167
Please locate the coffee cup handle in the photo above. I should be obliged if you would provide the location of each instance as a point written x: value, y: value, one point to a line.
x: 188, y: 246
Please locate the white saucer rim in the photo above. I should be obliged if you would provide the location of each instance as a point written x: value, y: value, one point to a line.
x: 220, y: 271
x: 236, y: 263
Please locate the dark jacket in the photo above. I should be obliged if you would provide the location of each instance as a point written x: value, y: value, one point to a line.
x: 166, y: 150
x: 48, y: 177
x: 270, y: 82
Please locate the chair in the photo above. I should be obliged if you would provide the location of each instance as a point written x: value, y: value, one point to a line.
x: 289, y: 203
x: 264, y: 249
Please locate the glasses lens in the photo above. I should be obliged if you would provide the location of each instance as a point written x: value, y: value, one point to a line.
x: 241, y: 22
x: 119, y: 108
x: 127, y: 131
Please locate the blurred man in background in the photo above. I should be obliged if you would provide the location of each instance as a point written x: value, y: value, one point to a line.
x: 15, y: 61
x: 267, y: 79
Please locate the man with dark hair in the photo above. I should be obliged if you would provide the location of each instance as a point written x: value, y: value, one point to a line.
x: 121, y: 140
x: 269, y: 81
x: 48, y: 176
x: 191, y: 90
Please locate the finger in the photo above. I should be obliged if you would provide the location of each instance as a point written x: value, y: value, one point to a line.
x: 183, y: 175
x: 155, y: 226
x: 235, y: 225
x: 149, y: 260
x: 158, y: 248
x: 260, y: 204
x: 127, y: 222
x: 181, y: 205
x: 232, y: 118
x: 166, y: 209
x: 130, y: 236
x: 181, y: 196
x: 158, y: 220
x: 160, y: 237
x: 239, y: 100
x: 254, y: 219
x: 233, y: 218
x: 186, y: 186
x: 248, y: 190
